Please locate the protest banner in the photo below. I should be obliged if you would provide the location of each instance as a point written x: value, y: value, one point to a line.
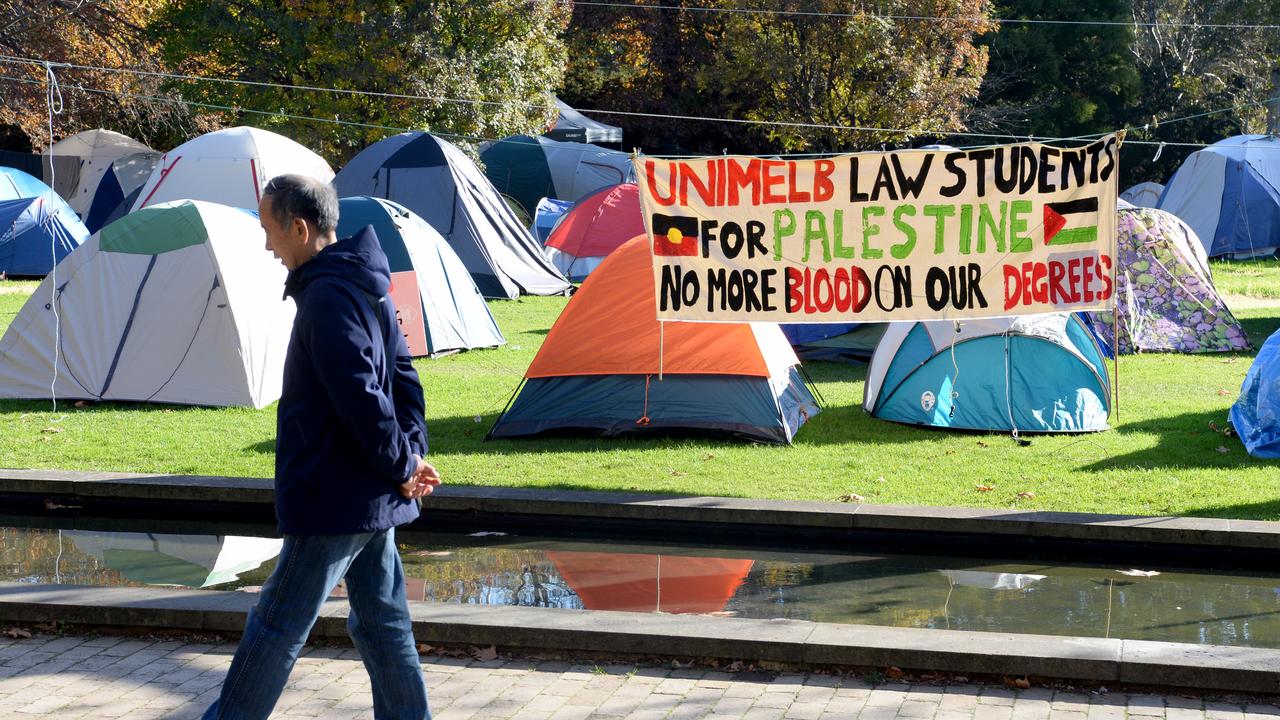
x: 904, y: 235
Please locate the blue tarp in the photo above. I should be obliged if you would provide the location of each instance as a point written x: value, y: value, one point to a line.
x: 1256, y: 413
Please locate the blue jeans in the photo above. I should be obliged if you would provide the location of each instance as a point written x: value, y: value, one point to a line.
x: 307, y: 570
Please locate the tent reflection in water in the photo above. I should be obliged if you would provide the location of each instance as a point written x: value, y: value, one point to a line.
x: 186, y: 560
x: 651, y: 583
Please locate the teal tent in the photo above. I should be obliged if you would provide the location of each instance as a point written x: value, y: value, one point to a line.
x: 1033, y: 373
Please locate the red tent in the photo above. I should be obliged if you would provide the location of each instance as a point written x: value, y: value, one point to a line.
x: 651, y: 583
x: 596, y: 226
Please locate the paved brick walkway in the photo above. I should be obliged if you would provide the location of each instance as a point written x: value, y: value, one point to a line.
x: 113, y: 677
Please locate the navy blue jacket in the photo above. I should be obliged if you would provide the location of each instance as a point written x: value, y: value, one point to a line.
x: 350, y: 417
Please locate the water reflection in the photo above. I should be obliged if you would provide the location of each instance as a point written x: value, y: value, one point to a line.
x: 1236, y: 608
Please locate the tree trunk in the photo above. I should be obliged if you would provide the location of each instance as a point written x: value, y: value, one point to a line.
x: 1273, y: 106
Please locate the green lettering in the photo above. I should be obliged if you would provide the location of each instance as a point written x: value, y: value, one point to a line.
x: 987, y: 223
x: 939, y: 213
x: 841, y: 250
x: 815, y: 228
x: 869, y: 230
x: 1019, y: 241
x: 781, y: 230
x: 902, y: 250
x: 966, y: 229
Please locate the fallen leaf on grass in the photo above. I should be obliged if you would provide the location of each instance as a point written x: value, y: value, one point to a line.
x: 1222, y: 392
x: 852, y: 497
x: 1229, y: 361
x: 485, y: 654
x: 981, y: 444
x: 678, y: 473
x: 881, y: 479
x: 1026, y: 495
x: 949, y: 452
x: 18, y: 633
x: 82, y: 404
x: 51, y: 430
x: 984, y: 488
x: 1139, y: 573
x: 709, y: 456
x: 1222, y: 449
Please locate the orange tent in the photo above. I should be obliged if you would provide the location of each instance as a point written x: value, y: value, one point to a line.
x: 651, y: 583
x: 608, y: 366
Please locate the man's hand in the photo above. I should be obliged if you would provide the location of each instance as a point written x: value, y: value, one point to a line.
x: 425, y: 479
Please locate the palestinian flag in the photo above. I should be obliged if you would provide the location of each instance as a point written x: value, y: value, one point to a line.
x: 1069, y: 223
x: 674, y: 236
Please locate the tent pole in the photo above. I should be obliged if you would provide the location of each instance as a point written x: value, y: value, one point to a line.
x: 1115, y: 335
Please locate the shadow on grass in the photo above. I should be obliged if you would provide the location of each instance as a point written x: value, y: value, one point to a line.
x: 1185, y: 441
x: 1258, y: 329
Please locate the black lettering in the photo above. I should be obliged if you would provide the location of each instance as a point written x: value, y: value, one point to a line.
x: 975, y: 286
x: 936, y: 288
x: 755, y: 239
x: 731, y: 240
x: 854, y: 195
x: 911, y: 186
x: 1006, y: 184
x: 1047, y: 154
x: 884, y: 180
x: 705, y: 232
x: 1072, y: 166
x: 952, y: 163
x: 715, y: 288
x: 766, y: 284
x: 980, y: 158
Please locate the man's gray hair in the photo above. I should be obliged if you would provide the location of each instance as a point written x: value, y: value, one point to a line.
x: 300, y: 196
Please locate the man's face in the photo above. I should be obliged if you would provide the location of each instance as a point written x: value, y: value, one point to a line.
x: 282, y: 240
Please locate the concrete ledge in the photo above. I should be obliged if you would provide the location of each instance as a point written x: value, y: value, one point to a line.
x: 789, y: 642
x: 539, y: 506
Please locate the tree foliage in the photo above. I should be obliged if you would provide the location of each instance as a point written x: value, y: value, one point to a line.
x: 107, y: 33
x: 811, y: 63
x: 487, y: 68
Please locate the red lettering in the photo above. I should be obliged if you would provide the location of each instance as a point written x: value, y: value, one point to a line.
x: 844, y: 291
x: 823, y: 188
x: 770, y: 179
x: 1039, y: 288
x: 821, y: 282
x: 740, y: 178
x: 1057, y: 293
x: 688, y: 176
x: 1073, y: 279
x: 794, y: 195
x: 1104, y: 267
x: 649, y: 175
x: 1086, y: 275
x: 1012, y: 286
x: 794, y: 296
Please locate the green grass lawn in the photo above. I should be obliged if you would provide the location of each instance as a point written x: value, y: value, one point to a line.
x: 1163, y: 455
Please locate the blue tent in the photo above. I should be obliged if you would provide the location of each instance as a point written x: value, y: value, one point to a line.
x: 834, y: 342
x: 36, y: 233
x: 16, y: 184
x: 1256, y: 413
x: 1229, y: 194
x: 1035, y: 373
x: 454, y: 314
x: 546, y: 215
x: 436, y: 181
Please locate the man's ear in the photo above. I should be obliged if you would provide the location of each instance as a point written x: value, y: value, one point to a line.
x: 298, y: 228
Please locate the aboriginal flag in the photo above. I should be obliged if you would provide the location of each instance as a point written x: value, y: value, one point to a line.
x: 1068, y: 223
x: 674, y: 235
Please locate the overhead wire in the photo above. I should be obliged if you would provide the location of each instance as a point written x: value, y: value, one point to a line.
x: 910, y: 132
x: 920, y: 18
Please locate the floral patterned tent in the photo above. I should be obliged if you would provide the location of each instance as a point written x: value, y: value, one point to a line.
x: 1164, y: 290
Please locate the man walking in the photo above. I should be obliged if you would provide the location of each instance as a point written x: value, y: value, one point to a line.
x: 350, y: 436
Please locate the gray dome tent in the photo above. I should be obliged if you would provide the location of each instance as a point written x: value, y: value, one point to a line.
x: 436, y: 181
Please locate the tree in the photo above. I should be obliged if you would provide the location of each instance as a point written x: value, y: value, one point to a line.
x: 874, y: 69
x: 1060, y: 80
x: 108, y: 33
x: 486, y: 68
x: 810, y: 62
x: 1190, y: 67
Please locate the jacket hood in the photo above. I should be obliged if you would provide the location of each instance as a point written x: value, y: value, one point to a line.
x: 358, y: 259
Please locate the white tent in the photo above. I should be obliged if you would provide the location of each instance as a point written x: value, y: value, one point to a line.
x: 176, y: 303
x: 186, y: 560
x: 95, y: 149
x: 1144, y: 194
x: 230, y: 167
x: 573, y: 126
